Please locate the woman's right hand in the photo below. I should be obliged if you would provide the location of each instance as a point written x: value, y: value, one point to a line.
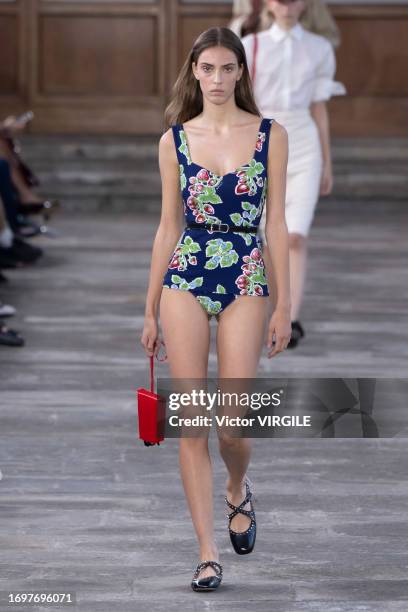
x: 150, y: 336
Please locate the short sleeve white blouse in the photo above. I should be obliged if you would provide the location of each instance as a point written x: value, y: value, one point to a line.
x: 293, y: 69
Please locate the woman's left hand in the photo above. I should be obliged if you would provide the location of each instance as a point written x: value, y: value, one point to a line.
x: 326, y: 182
x: 280, y: 327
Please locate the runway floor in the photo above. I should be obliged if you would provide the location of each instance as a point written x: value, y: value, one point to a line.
x: 86, y: 508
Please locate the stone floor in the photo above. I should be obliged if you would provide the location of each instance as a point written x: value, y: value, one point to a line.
x: 86, y: 508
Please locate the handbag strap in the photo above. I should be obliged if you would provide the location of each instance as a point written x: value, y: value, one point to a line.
x: 152, y: 373
x: 254, y: 54
x: 152, y: 366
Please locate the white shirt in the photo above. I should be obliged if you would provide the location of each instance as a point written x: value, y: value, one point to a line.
x: 293, y: 69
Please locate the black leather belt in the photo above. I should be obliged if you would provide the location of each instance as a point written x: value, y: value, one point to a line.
x: 222, y: 227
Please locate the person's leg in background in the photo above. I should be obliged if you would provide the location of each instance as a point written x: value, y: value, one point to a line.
x: 24, y: 192
x: 14, y: 251
x: 8, y: 195
x: 8, y: 337
x: 299, y: 215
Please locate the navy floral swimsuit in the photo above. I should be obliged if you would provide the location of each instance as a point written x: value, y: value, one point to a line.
x: 218, y: 266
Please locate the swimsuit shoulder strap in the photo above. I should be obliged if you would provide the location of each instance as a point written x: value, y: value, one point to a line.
x: 262, y: 146
x: 180, y: 141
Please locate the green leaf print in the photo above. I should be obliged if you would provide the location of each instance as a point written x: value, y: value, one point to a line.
x: 197, y: 282
x: 183, y: 180
x: 183, y: 148
x: 212, y: 307
x: 220, y: 289
x: 175, y: 278
x: 246, y: 205
x: 211, y: 250
x: 210, y: 265
x: 229, y: 260
x: 236, y: 218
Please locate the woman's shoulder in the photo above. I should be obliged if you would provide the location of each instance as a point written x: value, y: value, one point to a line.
x: 278, y: 132
x: 166, y: 144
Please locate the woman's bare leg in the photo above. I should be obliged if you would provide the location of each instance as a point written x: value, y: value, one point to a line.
x: 25, y: 193
x: 240, y: 338
x: 297, y: 265
x: 186, y: 334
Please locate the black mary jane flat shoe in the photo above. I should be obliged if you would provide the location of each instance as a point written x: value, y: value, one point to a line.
x: 243, y: 542
x: 297, y: 333
x: 38, y: 208
x: 208, y: 583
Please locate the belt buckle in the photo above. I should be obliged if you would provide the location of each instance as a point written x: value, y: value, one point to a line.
x: 225, y: 225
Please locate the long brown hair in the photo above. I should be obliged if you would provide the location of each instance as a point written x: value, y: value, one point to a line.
x: 187, y: 98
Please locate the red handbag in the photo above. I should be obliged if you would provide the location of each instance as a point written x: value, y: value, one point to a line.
x: 151, y: 409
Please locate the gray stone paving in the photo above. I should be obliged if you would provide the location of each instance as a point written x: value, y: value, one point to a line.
x: 85, y: 507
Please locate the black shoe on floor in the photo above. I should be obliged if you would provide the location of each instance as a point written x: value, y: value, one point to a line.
x: 23, y: 251
x: 297, y: 333
x: 9, y: 337
x: 3, y: 279
x: 9, y: 261
x: 209, y: 583
x: 243, y: 541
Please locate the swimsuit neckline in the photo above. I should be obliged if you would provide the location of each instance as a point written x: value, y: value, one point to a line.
x: 221, y: 176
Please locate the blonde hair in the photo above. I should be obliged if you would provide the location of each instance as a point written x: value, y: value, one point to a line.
x: 315, y: 18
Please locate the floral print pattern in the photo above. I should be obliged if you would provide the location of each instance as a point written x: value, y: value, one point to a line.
x: 252, y: 279
x: 177, y: 282
x: 211, y: 263
x: 182, y: 255
x: 220, y: 253
x: 249, y: 181
x: 203, y: 196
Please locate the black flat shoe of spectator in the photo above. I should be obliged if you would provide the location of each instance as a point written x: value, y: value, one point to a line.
x: 23, y: 251
x: 9, y: 337
x: 38, y: 208
x: 9, y: 261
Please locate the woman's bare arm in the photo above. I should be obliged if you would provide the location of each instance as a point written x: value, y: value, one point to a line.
x: 171, y: 221
x: 321, y: 116
x: 277, y: 237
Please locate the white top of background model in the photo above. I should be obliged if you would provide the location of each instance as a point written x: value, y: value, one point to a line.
x: 293, y: 69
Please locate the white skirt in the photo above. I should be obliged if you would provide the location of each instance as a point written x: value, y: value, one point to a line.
x: 304, y: 170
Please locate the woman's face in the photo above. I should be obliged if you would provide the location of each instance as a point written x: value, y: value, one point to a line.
x: 218, y: 71
x: 286, y: 12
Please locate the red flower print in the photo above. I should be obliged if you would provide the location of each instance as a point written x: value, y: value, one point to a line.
x: 260, y: 141
x: 203, y: 175
x: 241, y: 188
x: 255, y: 254
x: 242, y: 282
